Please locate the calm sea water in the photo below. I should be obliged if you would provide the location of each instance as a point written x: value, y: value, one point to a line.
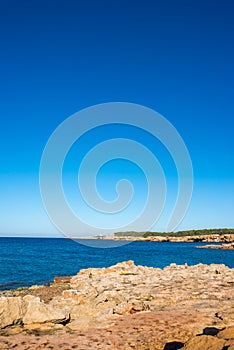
x: 27, y: 261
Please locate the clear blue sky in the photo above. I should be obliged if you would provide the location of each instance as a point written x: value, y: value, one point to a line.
x: 175, y: 56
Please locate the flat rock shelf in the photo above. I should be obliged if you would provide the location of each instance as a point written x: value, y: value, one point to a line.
x: 229, y: 246
x: 124, y: 307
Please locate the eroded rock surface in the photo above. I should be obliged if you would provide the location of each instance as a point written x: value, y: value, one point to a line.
x: 124, y: 307
x: 223, y: 341
x: 27, y: 310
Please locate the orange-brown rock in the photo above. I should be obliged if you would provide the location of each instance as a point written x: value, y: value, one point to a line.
x: 126, y: 307
x: 143, y: 331
x: 223, y: 340
x: 62, y: 279
x: 224, y: 238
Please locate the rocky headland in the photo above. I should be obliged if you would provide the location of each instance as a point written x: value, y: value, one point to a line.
x: 124, y: 307
x: 209, y: 238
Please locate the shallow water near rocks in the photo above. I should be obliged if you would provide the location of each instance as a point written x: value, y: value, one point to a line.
x: 28, y: 261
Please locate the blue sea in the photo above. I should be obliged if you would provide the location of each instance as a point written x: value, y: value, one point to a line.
x: 28, y: 261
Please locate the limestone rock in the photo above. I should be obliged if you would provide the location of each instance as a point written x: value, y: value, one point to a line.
x: 205, y: 342
x: 126, y: 304
x: 222, y: 340
x: 38, y: 312
x: 123, y: 309
x: 227, y: 333
x: 62, y: 279
x: 11, y: 311
x: 28, y: 310
x: 80, y: 323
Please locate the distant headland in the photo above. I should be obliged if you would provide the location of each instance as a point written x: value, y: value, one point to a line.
x: 220, y: 235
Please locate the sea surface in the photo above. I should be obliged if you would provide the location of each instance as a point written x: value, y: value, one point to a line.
x: 29, y: 261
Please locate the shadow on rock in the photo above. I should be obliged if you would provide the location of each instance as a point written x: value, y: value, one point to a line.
x: 174, y: 345
x: 210, y: 331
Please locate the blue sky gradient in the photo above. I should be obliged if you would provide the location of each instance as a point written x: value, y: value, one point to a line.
x: 175, y: 57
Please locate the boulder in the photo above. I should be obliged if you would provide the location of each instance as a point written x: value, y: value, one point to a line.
x: 28, y: 310
x: 38, y: 312
x: 11, y: 311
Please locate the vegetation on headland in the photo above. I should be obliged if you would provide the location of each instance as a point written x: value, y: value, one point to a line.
x: 201, y: 232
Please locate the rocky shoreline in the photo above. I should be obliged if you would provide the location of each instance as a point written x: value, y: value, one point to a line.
x: 229, y: 246
x: 124, y: 307
x: 226, y: 238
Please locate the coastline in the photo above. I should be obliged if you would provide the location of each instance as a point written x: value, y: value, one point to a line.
x: 229, y: 246
x: 109, y: 308
x: 226, y: 238
x: 25, y: 262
